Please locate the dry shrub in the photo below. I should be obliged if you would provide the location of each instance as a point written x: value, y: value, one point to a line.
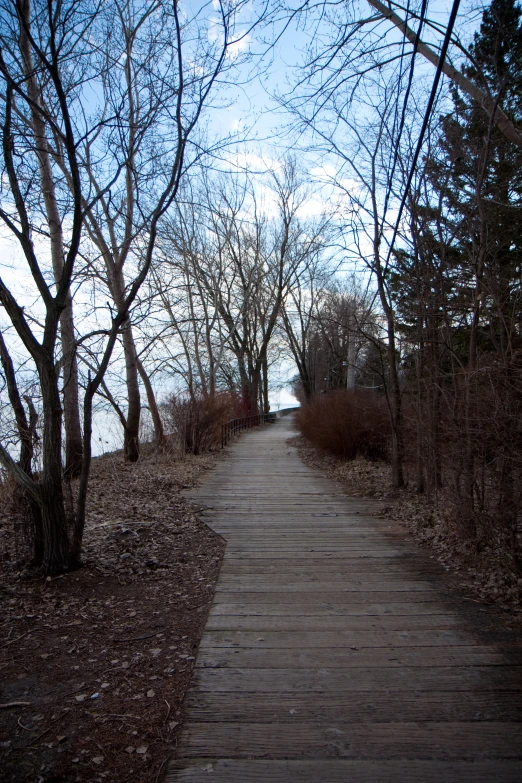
x: 197, y: 421
x: 347, y: 424
x: 16, y: 522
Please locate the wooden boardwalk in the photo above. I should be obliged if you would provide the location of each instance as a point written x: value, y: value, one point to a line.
x: 336, y: 651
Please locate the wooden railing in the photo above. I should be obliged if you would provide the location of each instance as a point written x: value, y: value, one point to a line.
x: 235, y: 426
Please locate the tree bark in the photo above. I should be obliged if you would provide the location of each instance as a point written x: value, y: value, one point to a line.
x: 159, y: 432
x: 132, y: 428
x: 54, y: 523
x: 266, y: 404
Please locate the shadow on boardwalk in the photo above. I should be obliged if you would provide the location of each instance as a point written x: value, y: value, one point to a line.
x: 335, y: 649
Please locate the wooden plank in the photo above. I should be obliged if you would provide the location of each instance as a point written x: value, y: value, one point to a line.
x: 455, y: 678
x: 342, y: 771
x: 322, y: 567
x: 324, y: 622
x: 347, y: 658
x: 315, y: 606
x: 337, y: 594
x: 353, y: 707
x: 278, y: 582
x: 440, y: 741
x: 331, y: 640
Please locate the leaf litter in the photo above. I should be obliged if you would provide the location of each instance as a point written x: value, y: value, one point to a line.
x: 90, y: 660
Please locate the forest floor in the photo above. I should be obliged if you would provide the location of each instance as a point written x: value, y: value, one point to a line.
x: 489, y: 575
x: 94, y: 664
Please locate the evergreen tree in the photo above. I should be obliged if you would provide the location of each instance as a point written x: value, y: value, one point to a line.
x: 458, y: 293
x: 480, y: 180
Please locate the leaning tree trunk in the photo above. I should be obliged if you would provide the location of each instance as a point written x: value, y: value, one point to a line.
x: 159, y: 432
x: 71, y: 407
x: 131, y: 430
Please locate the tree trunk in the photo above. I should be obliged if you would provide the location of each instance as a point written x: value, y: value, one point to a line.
x: 159, y: 432
x: 251, y: 392
x: 350, y: 370
x: 394, y: 394
x: 54, y: 520
x: 26, y: 459
x: 396, y: 416
x: 73, y: 430
x: 486, y: 100
x: 266, y: 404
x: 132, y: 428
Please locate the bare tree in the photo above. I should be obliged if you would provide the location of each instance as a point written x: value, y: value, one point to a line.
x: 55, y: 231
x: 71, y: 50
x: 479, y: 92
x: 299, y: 319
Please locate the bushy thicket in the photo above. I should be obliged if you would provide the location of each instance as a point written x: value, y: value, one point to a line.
x: 347, y: 424
x: 197, y: 421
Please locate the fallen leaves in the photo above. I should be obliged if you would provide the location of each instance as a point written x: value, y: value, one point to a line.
x: 108, y: 639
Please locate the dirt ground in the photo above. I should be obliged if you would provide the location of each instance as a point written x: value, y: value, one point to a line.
x: 490, y: 575
x: 94, y: 664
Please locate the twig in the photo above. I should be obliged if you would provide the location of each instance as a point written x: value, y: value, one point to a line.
x: 160, y: 770
x: 8, y: 705
x: 48, y: 729
x: 168, y: 710
x: 17, y: 639
x: 139, y: 638
x: 22, y: 726
x: 113, y: 715
x: 197, y: 606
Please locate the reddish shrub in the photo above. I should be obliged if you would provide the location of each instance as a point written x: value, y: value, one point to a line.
x: 347, y: 424
x: 197, y: 421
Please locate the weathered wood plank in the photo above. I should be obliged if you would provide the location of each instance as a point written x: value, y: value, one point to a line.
x: 454, y: 678
x: 311, y: 584
x: 353, y: 707
x: 398, y: 740
x: 338, y: 596
x: 331, y: 640
x: 342, y: 771
x: 225, y: 604
x: 324, y: 622
x: 347, y: 658
x: 324, y: 567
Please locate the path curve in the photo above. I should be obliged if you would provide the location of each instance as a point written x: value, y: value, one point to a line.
x: 336, y: 650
